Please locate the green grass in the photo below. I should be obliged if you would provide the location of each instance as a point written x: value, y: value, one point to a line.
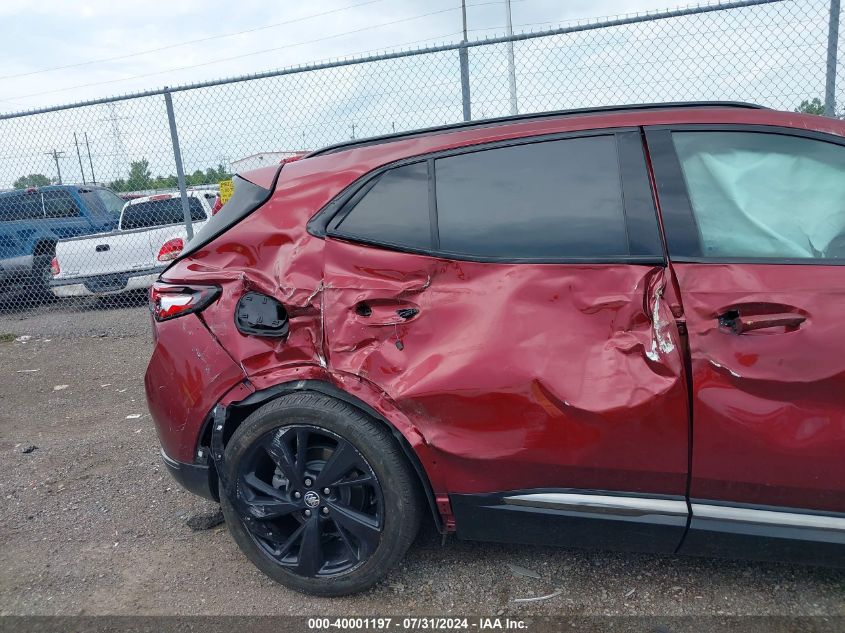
x: 7, y: 338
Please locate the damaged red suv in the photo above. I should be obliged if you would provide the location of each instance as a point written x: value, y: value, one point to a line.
x: 610, y: 328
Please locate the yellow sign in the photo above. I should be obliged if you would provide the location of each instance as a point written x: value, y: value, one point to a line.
x: 226, y: 191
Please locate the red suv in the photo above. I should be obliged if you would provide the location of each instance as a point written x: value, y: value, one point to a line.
x: 610, y: 328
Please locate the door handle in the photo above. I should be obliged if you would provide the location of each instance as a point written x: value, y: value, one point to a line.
x: 739, y: 324
x: 407, y: 313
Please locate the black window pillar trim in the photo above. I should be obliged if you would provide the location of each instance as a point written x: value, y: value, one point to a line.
x: 682, y: 234
x: 432, y: 205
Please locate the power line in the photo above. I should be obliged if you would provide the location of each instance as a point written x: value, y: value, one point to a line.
x: 187, y: 42
x: 251, y: 54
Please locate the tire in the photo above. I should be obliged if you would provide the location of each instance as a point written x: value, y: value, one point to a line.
x: 39, y: 291
x: 362, y: 528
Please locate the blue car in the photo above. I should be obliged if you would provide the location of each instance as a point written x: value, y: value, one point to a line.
x: 33, y: 220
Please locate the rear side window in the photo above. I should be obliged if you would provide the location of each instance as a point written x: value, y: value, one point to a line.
x: 21, y: 206
x: 542, y: 200
x: 535, y: 201
x: 761, y: 195
x: 393, y: 210
x: 103, y: 200
x: 60, y: 204
x: 159, y: 213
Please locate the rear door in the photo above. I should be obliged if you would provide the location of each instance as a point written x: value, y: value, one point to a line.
x: 755, y: 223
x: 509, y: 300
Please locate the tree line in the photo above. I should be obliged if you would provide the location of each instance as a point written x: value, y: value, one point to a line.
x: 140, y: 178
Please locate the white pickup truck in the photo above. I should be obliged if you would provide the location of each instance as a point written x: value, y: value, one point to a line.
x: 150, y: 233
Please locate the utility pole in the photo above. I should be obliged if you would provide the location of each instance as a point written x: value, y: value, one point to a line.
x: 79, y: 156
x: 56, y: 155
x: 511, y: 67
x: 463, y: 58
x: 830, y: 75
x: 353, y: 131
x: 90, y: 162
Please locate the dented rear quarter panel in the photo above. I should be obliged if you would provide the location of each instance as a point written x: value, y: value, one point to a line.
x: 187, y: 374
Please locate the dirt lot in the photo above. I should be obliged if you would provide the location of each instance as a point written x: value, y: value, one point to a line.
x: 91, y: 523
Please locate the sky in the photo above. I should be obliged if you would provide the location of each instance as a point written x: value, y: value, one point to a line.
x: 63, y: 51
x: 58, y: 51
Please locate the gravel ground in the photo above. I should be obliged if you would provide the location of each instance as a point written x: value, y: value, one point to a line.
x: 91, y: 523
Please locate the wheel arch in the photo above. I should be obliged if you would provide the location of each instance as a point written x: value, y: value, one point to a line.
x: 44, y: 245
x: 223, y: 422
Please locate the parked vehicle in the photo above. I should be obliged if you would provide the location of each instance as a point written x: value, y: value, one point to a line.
x: 607, y: 328
x: 150, y: 234
x: 33, y: 220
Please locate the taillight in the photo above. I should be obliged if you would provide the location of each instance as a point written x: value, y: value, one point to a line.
x: 168, y: 301
x: 170, y: 249
x: 218, y: 204
x: 54, y: 267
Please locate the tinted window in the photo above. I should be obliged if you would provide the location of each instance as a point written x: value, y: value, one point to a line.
x: 541, y: 200
x: 394, y: 210
x: 103, y: 200
x: 764, y: 195
x: 159, y: 213
x: 21, y: 206
x: 60, y: 204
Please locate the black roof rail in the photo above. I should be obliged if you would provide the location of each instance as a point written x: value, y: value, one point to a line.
x: 386, y: 138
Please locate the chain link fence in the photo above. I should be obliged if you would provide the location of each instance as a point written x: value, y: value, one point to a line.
x: 94, y: 200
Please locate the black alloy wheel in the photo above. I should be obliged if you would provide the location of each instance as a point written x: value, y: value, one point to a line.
x: 318, y: 495
x: 310, y: 500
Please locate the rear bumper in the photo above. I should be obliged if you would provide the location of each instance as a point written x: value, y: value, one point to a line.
x: 199, y: 479
x: 101, y: 285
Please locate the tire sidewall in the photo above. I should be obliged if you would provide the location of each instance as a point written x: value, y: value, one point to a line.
x: 401, y: 504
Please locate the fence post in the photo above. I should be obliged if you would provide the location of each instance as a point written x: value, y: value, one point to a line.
x: 180, y: 172
x: 832, y: 44
x: 466, y: 99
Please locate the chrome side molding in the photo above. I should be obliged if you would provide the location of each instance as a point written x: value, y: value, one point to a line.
x: 773, y: 518
x: 633, y: 506
x: 601, y: 504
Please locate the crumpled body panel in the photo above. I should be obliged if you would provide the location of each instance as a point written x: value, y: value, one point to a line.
x: 187, y: 375
x: 769, y: 405
x: 518, y: 375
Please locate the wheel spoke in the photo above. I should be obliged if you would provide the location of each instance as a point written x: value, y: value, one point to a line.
x: 279, y: 452
x: 266, y: 531
x: 345, y: 538
x: 285, y: 547
x: 310, y: 548
x: 271, y: 503
x: 354, y: 482
x: 363, y: 527
x: 264, y: 488
x: 342, y: 460
x: 301, y: 449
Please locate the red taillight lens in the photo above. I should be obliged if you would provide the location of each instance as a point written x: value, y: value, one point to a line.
x: 218, y: 204
x: 170, y: 301
x: 54, y: 267
x: 170, y: 249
